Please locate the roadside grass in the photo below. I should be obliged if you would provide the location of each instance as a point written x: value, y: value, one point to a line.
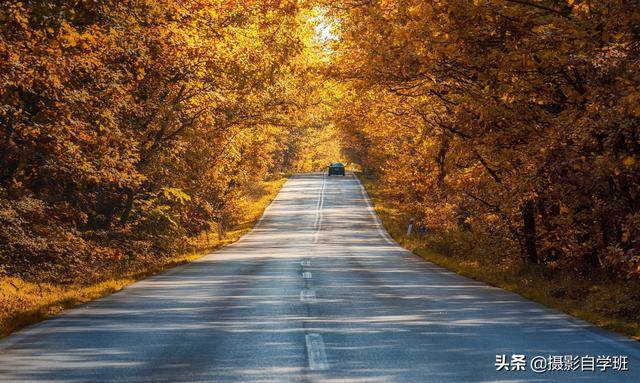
x: 607, y: 303
x: 23, y: 303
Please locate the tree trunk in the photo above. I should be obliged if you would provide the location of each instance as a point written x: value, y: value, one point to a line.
x: 529, y: 229
x: 128, y: 205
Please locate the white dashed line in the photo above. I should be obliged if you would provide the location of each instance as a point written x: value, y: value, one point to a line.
x: 318, y: 223
x: 315, y: 352
x: 308, y: 296
x: 306, y: 275
x: 383, y: 233
x: 305, y: 262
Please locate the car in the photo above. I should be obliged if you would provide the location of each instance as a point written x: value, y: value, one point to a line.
x: 336, y: 168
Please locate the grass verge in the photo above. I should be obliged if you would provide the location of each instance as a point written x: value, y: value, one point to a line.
x: 23, y: 303
x: 610, y: 304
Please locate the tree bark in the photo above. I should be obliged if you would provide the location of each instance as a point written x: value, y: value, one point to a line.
x: 128, y: 205
x: 529, y: 229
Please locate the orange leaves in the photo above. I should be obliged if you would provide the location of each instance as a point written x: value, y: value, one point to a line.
x: 488, y: 106
x: 68, y: 35
x: 628, y: 161
x: 136, y: 115
x: 17, y: 13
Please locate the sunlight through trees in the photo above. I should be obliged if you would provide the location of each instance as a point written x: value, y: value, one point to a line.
x: 129, y: 126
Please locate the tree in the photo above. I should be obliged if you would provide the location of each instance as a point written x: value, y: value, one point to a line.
x: 507, y: 118
x: 129, y: 126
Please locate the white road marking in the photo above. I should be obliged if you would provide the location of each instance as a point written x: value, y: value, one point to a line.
x: 308, y: 296
x: 306, y: 275
x: 319, y: 206
x: 383, y: 233
x: 315, y: 352
x: 305, y: 262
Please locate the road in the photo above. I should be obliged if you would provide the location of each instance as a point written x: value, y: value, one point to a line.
x: 317, y: 292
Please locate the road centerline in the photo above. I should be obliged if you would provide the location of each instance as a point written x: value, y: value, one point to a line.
x: 308, y: 296
x: 316, y: 352
x: 319, y: 214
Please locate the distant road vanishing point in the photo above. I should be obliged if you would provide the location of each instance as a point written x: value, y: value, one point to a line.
x: 317, y: 292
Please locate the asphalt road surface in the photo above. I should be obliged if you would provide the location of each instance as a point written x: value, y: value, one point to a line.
x: 317, y: 292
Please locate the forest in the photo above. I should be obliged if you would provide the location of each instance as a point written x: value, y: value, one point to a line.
x: 511, y: 119
x: 128, y: 127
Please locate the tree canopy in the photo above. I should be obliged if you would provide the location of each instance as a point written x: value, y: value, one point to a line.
x: 128, y: 126
x: 516, y: 119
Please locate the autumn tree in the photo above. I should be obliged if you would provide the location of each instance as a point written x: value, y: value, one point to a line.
x: 128, y: 126
x: 514, y: 119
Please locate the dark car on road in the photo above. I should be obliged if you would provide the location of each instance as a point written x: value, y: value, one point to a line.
x: 336, y: 168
